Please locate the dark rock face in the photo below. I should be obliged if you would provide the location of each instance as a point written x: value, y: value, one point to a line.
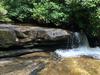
x: 7, y: 37
x: 28, y: 35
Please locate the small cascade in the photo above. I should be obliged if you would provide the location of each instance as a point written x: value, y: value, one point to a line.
x: 82, y: 50
x: 73, y: 41
x: 82, y: 39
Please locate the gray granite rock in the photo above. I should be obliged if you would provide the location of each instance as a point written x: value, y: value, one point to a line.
x: 30, y: 35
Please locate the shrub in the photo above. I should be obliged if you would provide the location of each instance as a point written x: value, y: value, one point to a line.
x: 49, y: 12
x: 19, y: 9
x: 85, y: 14
x: 3, y: 12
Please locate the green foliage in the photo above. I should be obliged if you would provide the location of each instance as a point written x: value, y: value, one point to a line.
x: 85, y: 14
x: 93, y: 7
x: 49, y: 12
x: 3, y: 12
x: 95, y: 22
x: 19, y: 9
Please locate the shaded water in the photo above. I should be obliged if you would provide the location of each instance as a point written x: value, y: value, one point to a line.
x: 83, y: 49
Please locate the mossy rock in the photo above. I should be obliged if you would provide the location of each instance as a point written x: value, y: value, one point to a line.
x: 7, y: 38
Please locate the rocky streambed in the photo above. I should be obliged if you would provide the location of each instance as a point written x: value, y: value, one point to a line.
x: 43, y: 63
x: 29, y: 50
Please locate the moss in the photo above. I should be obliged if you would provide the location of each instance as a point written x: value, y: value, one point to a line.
x: 7, y: 38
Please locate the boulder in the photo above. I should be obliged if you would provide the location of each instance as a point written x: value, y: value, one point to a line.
x: 31, y: 35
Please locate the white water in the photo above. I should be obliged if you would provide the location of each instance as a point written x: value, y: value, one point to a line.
x: 82, y: 50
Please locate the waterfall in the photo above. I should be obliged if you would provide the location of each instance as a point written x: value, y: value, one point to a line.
x: 82, y: 38
x: 83, y: 49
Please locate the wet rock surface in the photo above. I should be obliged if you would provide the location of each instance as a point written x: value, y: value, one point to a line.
x: 73, y: 66
x: 29, y: 64
x: 31, y: 35
x: 44, y: 64
x: 16, y: 53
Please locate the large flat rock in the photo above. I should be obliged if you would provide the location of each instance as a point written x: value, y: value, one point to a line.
x: 44, y: 64
x: 72, y: 66
x: 30, y: 35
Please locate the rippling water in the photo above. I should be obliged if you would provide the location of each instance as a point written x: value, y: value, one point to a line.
x: 77, y: 52
x: 82, y: 50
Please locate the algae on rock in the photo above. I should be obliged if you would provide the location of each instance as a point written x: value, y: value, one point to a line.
x: 7, y: 38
